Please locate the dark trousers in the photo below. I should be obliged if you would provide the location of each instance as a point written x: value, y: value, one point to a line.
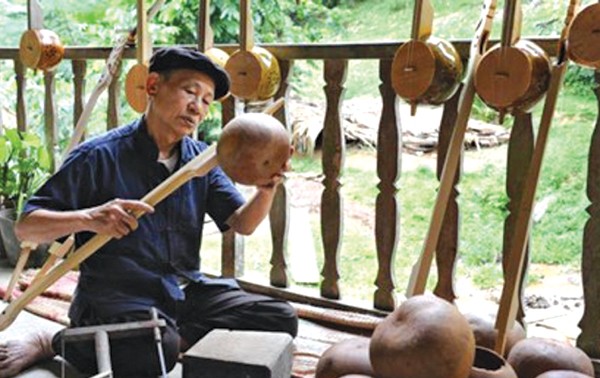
x: 205, y: 308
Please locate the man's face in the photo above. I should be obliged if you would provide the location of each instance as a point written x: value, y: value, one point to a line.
x: 181, y: 99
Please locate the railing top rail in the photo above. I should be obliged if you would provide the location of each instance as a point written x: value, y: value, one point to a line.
x: 355, y: 50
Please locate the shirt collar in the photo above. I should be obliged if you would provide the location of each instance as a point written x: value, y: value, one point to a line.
x: 147, y: 146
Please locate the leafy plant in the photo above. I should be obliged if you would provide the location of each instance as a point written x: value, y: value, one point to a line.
x: 24, y: 165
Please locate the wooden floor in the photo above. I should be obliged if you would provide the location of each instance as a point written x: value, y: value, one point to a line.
x: 555, y: 322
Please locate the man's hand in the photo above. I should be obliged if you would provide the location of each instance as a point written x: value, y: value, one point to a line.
x: 278, y: 177
x: 116, y: 218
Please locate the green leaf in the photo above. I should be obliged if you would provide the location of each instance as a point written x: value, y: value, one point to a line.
x: 4, y: 149
x: 43, y: 158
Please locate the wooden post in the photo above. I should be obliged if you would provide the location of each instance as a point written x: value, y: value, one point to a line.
x: 114, y: 94
x: 79, y: 68
x: 447, y: 246
x: 387, y: 206
x: 279, y: 215
x: 232, y: 244
x: 21, y: 103
x: 334, y: 150
x: 50, y: 118
x: 520, y: 150
x: 589, y: 339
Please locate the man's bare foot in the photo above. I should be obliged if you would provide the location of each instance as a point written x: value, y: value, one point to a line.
x: 16, y: 355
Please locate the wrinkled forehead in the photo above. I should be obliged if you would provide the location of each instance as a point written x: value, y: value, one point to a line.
x: 192, y: 78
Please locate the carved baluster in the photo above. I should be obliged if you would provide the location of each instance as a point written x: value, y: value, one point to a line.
x: 79, y: 68
x: 387, y: 206
x: 21, y: 104
x: 279, y: 215
x: 114, y: 89
x: 589, y: 339
x: 447, y: 246
x: 50, y: 117
x: 232, y: 244
x: 334, y: 147
x: 520, y: 150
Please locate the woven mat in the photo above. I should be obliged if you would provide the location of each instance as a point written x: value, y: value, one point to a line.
x: 316, y: 332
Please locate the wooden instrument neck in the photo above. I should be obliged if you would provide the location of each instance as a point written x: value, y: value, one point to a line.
x: 561, y: 52
x: 34, y: 15
x: 511, y: 28
x: 246, y: 28
x: 422, y: 24
x: 143, y: 50
x: 484, y: 28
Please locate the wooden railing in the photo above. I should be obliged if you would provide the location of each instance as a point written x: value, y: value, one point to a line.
x: 389, y: 148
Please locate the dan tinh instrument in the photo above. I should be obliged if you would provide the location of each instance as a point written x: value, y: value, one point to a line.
x: 509, y: 304
x: 253, y: 147
x: 39, y: 48
x: 583, y: 41
x: 514, y: 75
x: 425, y: 69
x: 254, y: 71
x: 420, y: 271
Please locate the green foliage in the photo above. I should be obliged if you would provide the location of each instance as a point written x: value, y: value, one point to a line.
x: 274, y: 21
x: 487, y: 276
x: 580, y: 79
x: 210, y: 129
x: 483, y: 112
x: 24, y: 165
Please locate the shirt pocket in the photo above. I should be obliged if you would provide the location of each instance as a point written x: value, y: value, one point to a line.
x: 187, y: 210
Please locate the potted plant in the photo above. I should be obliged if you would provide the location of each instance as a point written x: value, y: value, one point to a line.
x: 24, y: 165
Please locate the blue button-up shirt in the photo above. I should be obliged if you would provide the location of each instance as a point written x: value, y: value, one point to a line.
x: 141, y: 269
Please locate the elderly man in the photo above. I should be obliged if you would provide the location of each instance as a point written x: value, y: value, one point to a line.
x: 153, y: 263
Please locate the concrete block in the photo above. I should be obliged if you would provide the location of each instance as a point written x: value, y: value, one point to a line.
x: 240, y: 354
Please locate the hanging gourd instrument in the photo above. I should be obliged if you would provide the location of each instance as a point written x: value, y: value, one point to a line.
x: 39, y: 48
x: 420, y: 270
x: 254, y: 71
x: 507, y: 310
x: 425, y: 69
x: 513, y: 75
x: 110, y: 70
x: 583, y: 41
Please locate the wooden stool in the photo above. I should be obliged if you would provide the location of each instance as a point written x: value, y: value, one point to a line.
x: 100, y: 334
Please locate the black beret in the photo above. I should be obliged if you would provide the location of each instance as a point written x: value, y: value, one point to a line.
x: 174, y: 58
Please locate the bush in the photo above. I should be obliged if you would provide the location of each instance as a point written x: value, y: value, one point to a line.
x: 24, y: 165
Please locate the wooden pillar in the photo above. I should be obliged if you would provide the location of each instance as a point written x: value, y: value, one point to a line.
x: 387, y: 206
x: 334, y: 147
x: 21, y: 104
x: 232, y: 244
x: 279, y: 215
x: 520, y: 150
x: 589, y: 339
x: 114, y: 90
x: 50, y: 117
x: 79, y: 68
x: 447, y: 246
